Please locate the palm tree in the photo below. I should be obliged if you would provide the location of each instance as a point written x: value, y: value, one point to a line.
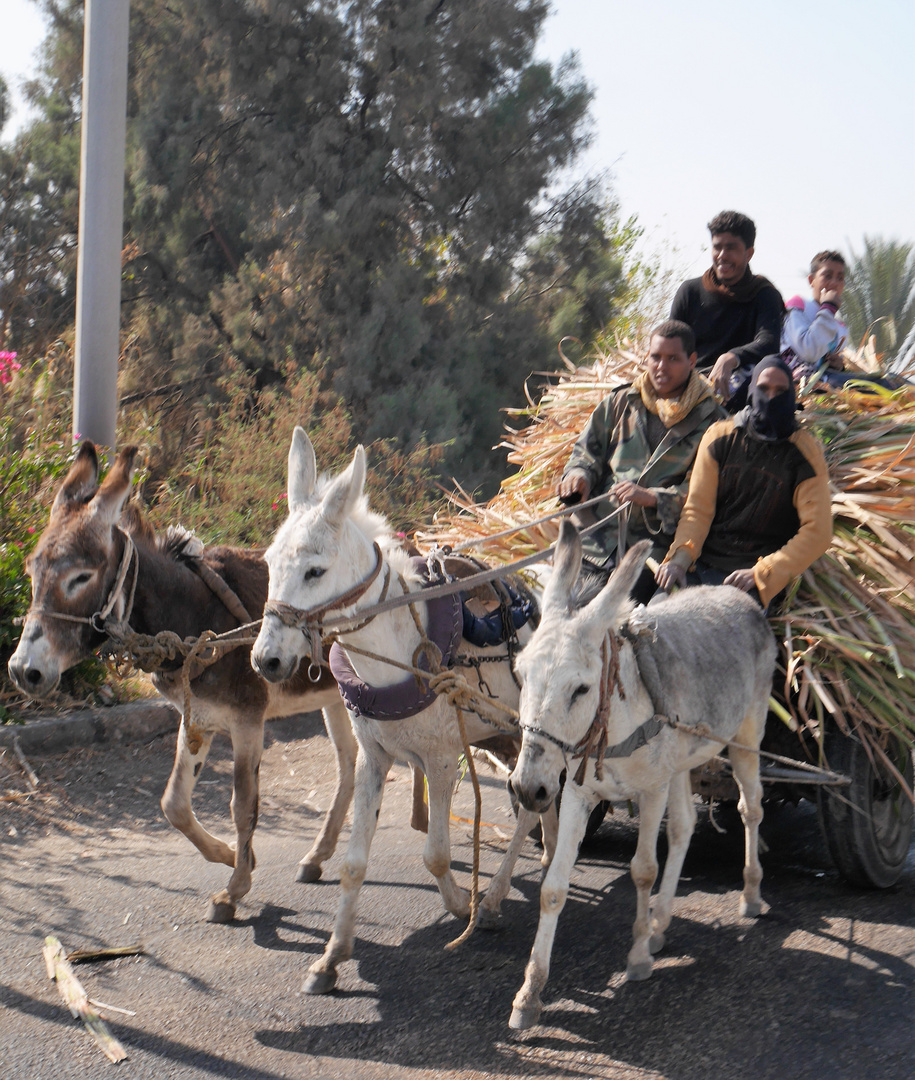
x: 880, y: 297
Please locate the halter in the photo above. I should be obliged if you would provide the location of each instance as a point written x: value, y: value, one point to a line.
x: 98, y: 619
x: 308, y: 620
x: 594, y: 739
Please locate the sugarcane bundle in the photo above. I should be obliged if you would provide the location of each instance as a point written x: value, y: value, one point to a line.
x: 849, y: 623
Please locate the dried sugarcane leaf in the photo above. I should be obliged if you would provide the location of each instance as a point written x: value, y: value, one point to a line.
x: 77, y: 1001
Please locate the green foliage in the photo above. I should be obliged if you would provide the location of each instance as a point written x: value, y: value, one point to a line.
x: 365, y: 191
x: 879, y: 296
x: 39, y: 196
x: 31, y: 465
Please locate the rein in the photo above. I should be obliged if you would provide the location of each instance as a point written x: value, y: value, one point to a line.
x: 566, y: 510
x: 434, y: 592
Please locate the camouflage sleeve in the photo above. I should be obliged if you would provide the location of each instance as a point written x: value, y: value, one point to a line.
x: 670, y: 505
x: 591, y: 451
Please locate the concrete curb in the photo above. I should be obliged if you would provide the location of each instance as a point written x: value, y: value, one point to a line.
x: 133, y: 722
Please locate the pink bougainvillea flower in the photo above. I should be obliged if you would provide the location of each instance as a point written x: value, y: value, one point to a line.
x: 8, y: 367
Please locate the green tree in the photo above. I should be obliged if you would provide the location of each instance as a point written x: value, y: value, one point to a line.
x: 39, y: 197
x: 354, y: 188
x: 879, y: 296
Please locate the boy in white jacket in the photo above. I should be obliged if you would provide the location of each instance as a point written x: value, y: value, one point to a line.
x: 813, y: 335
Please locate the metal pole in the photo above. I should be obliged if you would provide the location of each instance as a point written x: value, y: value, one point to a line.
x: 101, y: 220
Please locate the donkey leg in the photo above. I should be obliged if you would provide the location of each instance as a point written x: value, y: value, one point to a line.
x: 502, y: 879
x: 372, y: 768
x: 746, y: 770
x: 340, y: 730
x: 573, y: 817
x: 549, y: 830
x: 190, y: 754
x: 247, y: 748
x: 441, y: 774
x: 419, y: 812
x: 644, y: 870
x: 681, y: 821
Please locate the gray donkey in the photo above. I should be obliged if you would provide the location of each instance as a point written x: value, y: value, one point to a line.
x: 608, y: 701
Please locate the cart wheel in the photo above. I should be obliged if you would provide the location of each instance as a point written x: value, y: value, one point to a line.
x: 868, y: 840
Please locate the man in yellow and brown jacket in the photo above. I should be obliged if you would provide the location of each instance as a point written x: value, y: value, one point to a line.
x: 758, y: 509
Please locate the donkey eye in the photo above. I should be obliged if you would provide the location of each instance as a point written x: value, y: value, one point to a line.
x: 81, y: 579
x: 579, y: 692
x: 314, y: 572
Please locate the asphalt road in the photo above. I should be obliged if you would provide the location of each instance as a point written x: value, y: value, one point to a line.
x: 820, y: 987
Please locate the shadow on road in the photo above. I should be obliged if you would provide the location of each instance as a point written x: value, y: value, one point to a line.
x: 789, y: 992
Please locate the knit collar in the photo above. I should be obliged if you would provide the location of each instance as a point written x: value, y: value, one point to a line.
x: 672, y: 410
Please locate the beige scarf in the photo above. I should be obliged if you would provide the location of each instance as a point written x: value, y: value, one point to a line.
x: 673, y: 410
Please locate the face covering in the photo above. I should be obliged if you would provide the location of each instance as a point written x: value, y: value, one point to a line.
x: 770, y: 419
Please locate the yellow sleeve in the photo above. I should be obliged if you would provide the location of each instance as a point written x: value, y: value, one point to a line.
x: 813, y: 505
x: 701, y: 500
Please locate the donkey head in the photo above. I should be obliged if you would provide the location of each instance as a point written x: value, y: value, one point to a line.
x: 318, y: 553
x: 72, y: 569
x: 561, y: 668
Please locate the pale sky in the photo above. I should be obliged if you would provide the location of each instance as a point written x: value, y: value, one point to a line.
x: 801, y: 115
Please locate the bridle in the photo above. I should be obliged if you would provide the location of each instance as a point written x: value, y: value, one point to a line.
x: 308, y: 621
x: 594, y: 740
x: 98, y: 620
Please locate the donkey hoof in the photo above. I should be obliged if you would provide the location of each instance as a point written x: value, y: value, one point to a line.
x: 319, y: 982
x: 488, y: 920
x: 656, y: 943
x: 638, y: 972
x: 750, y: 909
x: 221, y: 911
x: 308, y: 872
x: 522, y: 1019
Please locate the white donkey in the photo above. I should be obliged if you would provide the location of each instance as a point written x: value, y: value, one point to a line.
x: 329, y: 543
x: 590, y: 682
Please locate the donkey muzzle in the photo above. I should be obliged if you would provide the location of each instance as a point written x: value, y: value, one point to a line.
x: 35, y: 679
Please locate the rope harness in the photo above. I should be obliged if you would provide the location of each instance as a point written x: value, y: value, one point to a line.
x: 310, y: 623
x: 154, y: 652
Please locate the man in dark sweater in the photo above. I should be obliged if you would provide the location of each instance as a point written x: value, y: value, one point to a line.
x: 735, y: 314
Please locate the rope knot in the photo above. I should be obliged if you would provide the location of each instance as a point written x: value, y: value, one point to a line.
x: 455, y: 687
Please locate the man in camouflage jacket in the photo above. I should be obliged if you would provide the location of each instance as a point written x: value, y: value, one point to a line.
x: 638, y: 449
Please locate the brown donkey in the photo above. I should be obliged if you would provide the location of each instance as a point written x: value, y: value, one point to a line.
x: 98, y: 561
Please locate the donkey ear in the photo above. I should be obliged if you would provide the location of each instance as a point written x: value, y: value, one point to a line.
x: 303, y: 470
x: 614, y: 596
x: 566, y: 567
x: 82, y: 479
x: 341, y: 497
x: 110, y: 498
